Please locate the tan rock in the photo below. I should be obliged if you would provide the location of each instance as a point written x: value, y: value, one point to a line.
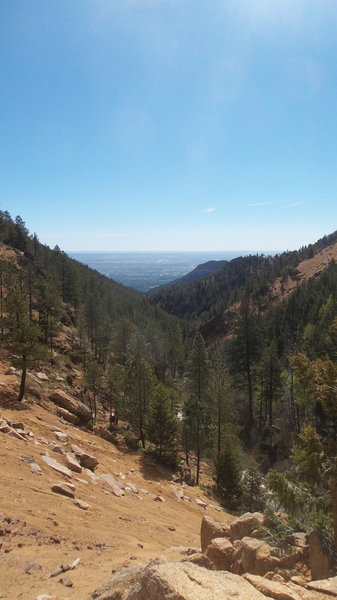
x: 243, y: 526
x: 320, y: 559
x: 177, y: 581
x: 81, y: 504
x: 325, y: 586
x: 58, y: 449
x: 72, y: 463
x: 112, y: 483
x: 201, y: 503
x: 4, y: 427
x: 17, y: 433
x: 70, y: 403
x: 61, y: 436
x: 88, y: 461
x: 220, y: 552
x: 68, y: 416
x: 51, y: 462
x: 197, y: 558
x: 42, y: 376
x: 119, y: 586
x: 307, y: 594
x: 255, y: 556
x: 65, y: 489
x: 271, y: 588
x: 211, y: 529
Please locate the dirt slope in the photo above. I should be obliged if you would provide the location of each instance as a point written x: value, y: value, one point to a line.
x: 41, y: 530
x: 307, y: 269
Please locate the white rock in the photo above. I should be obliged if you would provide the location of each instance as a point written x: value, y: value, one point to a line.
x: 51, y: 462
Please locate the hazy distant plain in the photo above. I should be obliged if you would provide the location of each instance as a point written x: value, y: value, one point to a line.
x: 146, y: 270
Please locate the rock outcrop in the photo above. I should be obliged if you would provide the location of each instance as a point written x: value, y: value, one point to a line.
x: 176, y: 581
x: 71, y: 404
x: 211, y: 529
x: 244, y: 526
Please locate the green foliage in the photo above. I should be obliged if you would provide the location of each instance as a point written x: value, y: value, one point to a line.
x: 291, y: 494
x: 162, y: 426
x: 253, y: 493
x: 21, y: 334
x: 276, y: 528
x: 228, y: 474
x: 308, y: 454
x: 197, y: 427
x: 140, y: 382
x: 131, y: 442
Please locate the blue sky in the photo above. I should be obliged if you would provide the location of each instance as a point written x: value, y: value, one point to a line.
x: 170, y: 124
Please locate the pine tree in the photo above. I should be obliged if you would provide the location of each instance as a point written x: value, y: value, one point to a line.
x: 244, y: 354
x: 114, y: 388
x: 252, y: 488
x: 228, y: 473
x: 139, y: 383
x: 197, y: 410
x: 271, y: 383
x: 93, y: 379
x: 162, y: 425
x: 22, y: 335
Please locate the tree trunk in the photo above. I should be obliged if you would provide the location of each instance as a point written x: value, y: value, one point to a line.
x: 22, y: 383
x: 333, y: 494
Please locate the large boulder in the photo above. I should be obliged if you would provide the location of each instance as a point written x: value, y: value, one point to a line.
x: 176, y: 581
x: 68, y: 416
x: 244, y: 526
x: 325, y: 586
x: 322, y: 559
x: 257, y: 557
x: 220, y: 553
x: 280, y: 590
x: 71, y: 404
x: 211, y: 529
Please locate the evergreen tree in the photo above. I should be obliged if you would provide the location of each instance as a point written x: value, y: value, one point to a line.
x: 22, y: 335
x: 93, y: 379
x: 223, y: 417
x: 162, y: 425
x: 271, y: 383
x: 244, y: 354
x: 228, y: 473
x: 114, y: 388
x: 197, y: 411
x: 139, y: 383
x: 253, y: 497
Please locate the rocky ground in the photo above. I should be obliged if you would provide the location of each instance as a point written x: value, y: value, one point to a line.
x: 124, y: 512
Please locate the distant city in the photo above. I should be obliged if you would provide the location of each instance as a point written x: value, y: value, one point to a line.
x: 146, y: 270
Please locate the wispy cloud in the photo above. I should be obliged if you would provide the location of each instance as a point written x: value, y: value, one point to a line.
x: 292, y: 204
x: 277, y: 203
x: 263, y: 203
x: 208, y: 210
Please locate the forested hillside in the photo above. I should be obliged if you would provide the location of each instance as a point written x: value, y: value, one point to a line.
x: 200, y: 272
x: 213, y: 294
x: 257, y: 395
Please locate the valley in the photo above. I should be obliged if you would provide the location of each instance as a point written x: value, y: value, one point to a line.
x: 122, y: 425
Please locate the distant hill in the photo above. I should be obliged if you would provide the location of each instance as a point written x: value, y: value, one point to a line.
x: 268, y: 281
x: 201, y: 271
